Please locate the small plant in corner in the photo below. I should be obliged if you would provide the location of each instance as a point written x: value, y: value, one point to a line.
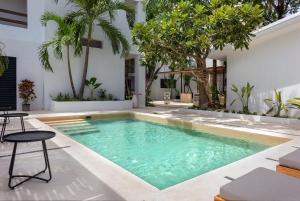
x: 243, y: 96
x: 92, y: 85
x: 294, y: 103
x: 277, y: 106
x: 102, y: 94
x: 110, y: 97
x: 26, y: 92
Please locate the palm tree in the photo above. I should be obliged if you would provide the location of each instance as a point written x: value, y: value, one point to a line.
x: 63, y: 37
x: 3, y: 59
x: 100, y: 13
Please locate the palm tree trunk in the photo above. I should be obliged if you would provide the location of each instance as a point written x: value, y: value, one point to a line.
x: 70, y: 72
x: 86, y: 62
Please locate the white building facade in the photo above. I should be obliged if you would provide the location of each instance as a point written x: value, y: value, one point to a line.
x: 23, y: 40
x: 272, y: 62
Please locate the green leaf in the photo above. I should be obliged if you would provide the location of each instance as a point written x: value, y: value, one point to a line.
x: 270, y: 110
x: 93, y: 80
x: 232, y: 102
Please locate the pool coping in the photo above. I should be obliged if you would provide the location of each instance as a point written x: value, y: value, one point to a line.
x: 125, y: 183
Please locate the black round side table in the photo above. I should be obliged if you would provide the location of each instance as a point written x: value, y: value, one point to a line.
x: 6, y: 116
x: 28, y: 136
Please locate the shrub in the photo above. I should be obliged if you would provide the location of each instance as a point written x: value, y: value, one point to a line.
x: 276, y: 105
x: 243, y: 96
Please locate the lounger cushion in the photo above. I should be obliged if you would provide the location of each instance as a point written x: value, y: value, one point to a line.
x: 291, y: 160
x: 262, y: 185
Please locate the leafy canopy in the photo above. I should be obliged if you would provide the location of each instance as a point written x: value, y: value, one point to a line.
x: 192, y: 29
x: 274, y: 10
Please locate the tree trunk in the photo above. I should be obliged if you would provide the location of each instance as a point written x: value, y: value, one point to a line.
x: 70, y: 72
x: 150, y: 81
x: 204, y: 99
x: 215, y: 87
x: 86, y: 62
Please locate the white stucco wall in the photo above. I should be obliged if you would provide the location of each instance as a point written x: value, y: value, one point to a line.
x: 28, y: 67
x: 272, y: 62
x: 23, y: 43
x: 34, y: 30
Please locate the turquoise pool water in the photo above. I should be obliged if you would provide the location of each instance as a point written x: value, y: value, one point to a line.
x: 159, y: 154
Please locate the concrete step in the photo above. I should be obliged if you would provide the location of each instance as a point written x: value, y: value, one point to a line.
x: 81, y: 132
x: 67, y: 121
x: 76, y: 128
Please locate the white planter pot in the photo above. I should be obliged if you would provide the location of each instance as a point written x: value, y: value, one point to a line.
x: 135, y: 101
x: 85, y: 106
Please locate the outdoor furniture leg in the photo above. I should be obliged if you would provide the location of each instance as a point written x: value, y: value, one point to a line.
x: 22, y: 124
x: 3, y: 129
x: 47, y: 163
x: 11, y: 166
x: 28, y: 177
x: 8, y: 120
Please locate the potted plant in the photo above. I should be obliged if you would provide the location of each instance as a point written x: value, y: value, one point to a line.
x: 26, y: 92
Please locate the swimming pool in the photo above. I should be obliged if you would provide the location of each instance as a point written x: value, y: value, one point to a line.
x: 162, y: 155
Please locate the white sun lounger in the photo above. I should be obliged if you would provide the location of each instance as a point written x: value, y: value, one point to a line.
x: 290, y: 164
x: 261, y: 185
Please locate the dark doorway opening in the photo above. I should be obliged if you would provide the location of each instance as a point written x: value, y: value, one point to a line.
x: 8, y: 86
x: 129, y: 78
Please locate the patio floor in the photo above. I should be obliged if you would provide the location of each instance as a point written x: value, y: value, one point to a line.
x: 71, y: 181
x: 80, y: 178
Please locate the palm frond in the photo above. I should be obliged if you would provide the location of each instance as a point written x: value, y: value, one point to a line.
x: 115, y: 36
x: 123, y: 6
x: 44, y: 55
x: 79, y: 31
x: 51, y: 16
x: 57, y: 49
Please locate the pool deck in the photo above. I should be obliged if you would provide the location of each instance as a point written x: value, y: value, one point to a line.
x: 76, y: 176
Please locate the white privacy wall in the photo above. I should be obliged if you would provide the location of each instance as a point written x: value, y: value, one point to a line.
x: 22, y: 43
x: 272, y: 62
x: 103, y: 64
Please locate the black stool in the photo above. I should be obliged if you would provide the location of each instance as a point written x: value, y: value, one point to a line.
x: 29, y: 136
